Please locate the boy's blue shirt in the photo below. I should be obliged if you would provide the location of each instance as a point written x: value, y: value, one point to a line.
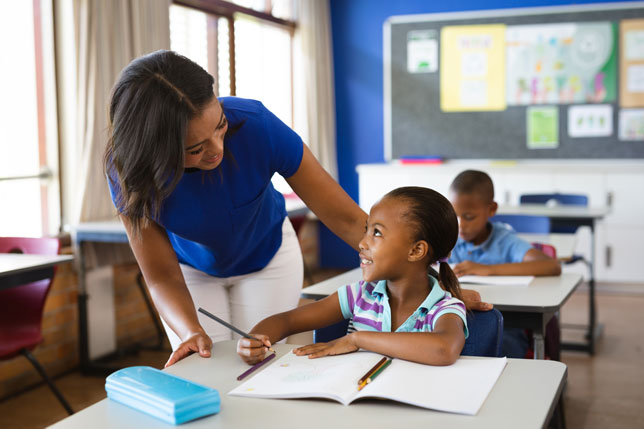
x: 503, y: 246
x: 228, y: 221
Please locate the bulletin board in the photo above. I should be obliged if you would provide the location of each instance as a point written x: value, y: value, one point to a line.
x: 548, y: 82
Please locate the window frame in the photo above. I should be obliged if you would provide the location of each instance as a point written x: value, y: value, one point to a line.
x: 44, y: 171
x: 224, y: 9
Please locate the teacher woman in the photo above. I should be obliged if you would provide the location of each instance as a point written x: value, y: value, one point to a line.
x: 190, y: 175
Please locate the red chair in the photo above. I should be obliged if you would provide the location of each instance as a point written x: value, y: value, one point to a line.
x: 21, y: 308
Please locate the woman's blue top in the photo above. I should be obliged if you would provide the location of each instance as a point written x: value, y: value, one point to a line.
x: 228, y: 221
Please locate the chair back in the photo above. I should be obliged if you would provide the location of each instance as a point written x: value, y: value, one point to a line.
x: 556, y: 198
x: 485, y: 333
x: 527, y: 224
x: 331, y: 332
x: 21, y: 307
x: 547, y: 249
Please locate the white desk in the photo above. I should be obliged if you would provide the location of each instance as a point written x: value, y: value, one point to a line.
x: 528, y: 307
x: 18, y: 268
x: 509, y: 405
x: 573, y: 216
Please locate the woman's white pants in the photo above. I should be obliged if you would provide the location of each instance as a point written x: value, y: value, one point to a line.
x: 247, y: 299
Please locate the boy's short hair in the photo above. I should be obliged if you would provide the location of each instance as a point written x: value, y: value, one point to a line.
x: 474, y: 182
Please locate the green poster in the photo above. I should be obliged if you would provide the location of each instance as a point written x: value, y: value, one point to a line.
x: 543, y: 127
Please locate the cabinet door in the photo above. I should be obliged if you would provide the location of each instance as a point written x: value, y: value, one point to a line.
x: 375, y: 182
x: 624, y: 193
x: 619, y: 254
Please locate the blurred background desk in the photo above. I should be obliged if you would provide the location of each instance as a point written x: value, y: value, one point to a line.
x: 17, y: 269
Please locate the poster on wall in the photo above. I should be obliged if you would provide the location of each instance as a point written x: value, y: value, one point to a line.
x: 590, y: 120
x: 631, y: 88
x: 561, y: 63
x: 422, y: 51
x: 542, y: 127
x: 472, y: 68
x: 631, y: 124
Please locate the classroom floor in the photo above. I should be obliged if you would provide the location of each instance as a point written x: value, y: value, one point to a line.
x: 602, y: 391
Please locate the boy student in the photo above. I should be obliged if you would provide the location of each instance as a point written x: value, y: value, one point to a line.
x: 484, y: 248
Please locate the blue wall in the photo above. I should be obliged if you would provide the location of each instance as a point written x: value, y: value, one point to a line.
x: 356, y: 27
x: 357, y: 55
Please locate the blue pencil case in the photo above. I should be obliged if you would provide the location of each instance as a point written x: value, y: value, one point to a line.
x: 165, y: 396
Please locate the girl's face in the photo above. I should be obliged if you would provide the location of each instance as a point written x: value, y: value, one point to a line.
x: 387, y: 241
x: 205, y: 140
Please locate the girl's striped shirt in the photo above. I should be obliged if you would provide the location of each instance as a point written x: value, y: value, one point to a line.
x: 367, y: 305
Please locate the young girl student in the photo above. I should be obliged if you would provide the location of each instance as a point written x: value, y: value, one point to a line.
x: 399, y: 309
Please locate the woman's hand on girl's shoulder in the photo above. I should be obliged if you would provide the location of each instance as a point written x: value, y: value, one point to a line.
x: 340, y: 346
x: 199, y: 342
x: 472, y: 300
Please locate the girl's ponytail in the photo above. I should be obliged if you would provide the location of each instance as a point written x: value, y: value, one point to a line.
x: 448, y: 279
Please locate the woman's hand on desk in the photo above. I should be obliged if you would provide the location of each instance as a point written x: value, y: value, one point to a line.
x: 340, y: 346
x: 197, y: 342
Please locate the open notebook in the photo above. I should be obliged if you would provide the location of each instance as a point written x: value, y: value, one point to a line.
x: 497, y: 280
x: 459, y: 388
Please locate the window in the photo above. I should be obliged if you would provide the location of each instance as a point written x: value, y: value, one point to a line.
x: 247, y: 45
x: 28, y: 141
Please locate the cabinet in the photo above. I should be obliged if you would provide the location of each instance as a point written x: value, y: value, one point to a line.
x: 618, y: 184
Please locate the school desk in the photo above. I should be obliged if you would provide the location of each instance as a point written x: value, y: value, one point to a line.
x: 18, y: 268
x: 527, y: 307
x: 510, y: 404
x: 574, y: 216
x: 114, y: 232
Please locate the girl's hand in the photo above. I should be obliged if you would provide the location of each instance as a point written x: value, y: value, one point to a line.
x: 196, y: 342
x: 340, y: 346
x: 253, y: 351
x: 472, y: 268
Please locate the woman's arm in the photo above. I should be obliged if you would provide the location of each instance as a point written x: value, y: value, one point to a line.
x: 316, y: 315
x: 443, y: 346
x: 160, y: 268
x: 328, y: 200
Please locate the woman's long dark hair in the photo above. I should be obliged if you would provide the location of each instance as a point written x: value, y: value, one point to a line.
x: 152, y: 103
x: 436, y: 223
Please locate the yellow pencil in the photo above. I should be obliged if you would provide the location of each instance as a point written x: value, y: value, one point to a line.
x: 372, y: 370
x: 375, y: 374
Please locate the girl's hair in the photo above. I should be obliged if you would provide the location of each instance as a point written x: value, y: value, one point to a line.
x: 434, y: 220
x: 152, y: 103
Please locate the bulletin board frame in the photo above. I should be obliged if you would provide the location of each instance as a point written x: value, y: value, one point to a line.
x: 423, y: 118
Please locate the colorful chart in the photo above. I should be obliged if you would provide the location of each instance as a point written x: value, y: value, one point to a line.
x: 561, y: 63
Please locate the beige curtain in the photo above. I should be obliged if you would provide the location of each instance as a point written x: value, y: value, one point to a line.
x: 313, y: 39
x: 105, y: 35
